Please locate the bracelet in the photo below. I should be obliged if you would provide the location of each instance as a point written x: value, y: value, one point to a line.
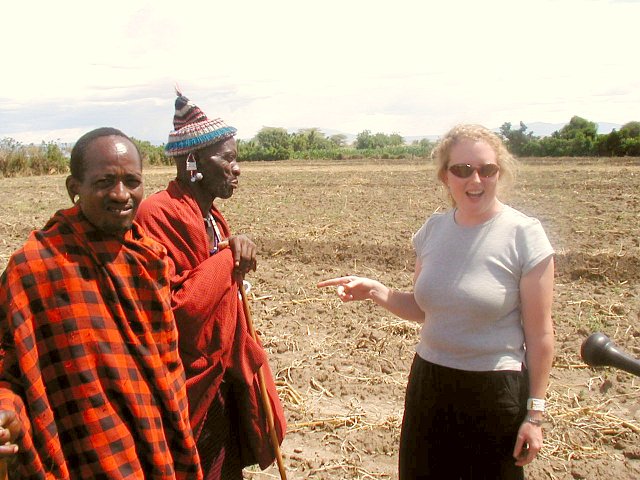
x: 536, y: 404
x: 533, y: 421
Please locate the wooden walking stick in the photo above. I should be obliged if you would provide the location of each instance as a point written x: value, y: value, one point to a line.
x: 264, y: 395
x: 3, y: 470
x: 266, y: 403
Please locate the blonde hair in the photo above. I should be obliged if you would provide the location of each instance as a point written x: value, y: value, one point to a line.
x: 504, y: 159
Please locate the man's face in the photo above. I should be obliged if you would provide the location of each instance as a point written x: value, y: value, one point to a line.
x: 219, y: 167
x: 112, y: 189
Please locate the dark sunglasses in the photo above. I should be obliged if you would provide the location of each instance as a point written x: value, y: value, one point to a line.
x: 464, y: 170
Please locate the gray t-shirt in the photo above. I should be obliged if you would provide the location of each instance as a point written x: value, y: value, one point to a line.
x: 469, y: 288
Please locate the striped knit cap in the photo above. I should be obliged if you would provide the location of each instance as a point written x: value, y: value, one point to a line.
x: 193, y: 130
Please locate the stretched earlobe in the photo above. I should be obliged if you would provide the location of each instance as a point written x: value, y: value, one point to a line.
x: 192, y: 168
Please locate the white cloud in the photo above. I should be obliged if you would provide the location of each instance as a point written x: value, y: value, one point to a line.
x: 411, y: 67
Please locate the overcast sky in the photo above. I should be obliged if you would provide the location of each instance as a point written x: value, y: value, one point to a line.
x: 408, y: 67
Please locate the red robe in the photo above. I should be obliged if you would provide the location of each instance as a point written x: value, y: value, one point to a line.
x: 215, y: 343
x: 89, y: 357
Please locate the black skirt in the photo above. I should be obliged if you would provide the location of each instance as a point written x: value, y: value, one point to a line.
x: 461, y: 424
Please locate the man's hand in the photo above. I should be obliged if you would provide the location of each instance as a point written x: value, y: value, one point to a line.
x: 10, y: 429
x: 244, y: 255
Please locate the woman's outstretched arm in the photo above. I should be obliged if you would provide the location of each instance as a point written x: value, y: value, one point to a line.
x: 352, y: 288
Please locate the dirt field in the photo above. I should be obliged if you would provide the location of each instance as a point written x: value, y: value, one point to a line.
x: 342, y: 368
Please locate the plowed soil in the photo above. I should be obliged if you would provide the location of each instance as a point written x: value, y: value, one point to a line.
x: 341, y: 369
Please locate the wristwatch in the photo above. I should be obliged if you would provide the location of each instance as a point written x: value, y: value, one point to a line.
x: 534, y: 421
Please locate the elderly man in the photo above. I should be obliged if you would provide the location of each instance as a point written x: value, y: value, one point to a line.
x: 91, y: 384
x: 220, y: 357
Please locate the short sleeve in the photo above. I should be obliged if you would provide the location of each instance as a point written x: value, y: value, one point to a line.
x: 419, y: 238
x: 533, y: 245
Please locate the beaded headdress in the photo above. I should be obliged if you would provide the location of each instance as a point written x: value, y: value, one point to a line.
x: 193, y: 130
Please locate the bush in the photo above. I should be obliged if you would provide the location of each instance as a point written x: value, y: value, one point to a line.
x: 17, y: 159
x: 152, y: 155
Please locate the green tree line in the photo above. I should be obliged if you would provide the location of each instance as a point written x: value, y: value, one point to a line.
x: 578, y: 138
x: 50, y: 158
x: 273, y: 143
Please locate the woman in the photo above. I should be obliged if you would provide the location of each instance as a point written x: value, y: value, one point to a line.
x: 483, y: 289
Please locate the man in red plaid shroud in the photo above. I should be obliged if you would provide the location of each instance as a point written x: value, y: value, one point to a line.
x: 91, y: 385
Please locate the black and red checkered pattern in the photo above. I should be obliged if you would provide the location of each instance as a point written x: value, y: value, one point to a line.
x: 89, y: 357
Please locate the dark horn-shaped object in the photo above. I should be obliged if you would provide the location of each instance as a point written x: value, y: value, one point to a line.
x: 600, y: 351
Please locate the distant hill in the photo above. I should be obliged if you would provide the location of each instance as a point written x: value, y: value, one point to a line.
x: 541, y: 129
x: 414, y: 138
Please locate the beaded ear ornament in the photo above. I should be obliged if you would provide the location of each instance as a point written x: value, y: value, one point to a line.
x: 192, y: 168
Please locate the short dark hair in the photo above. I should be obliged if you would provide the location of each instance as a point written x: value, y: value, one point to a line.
x: 77, y: 161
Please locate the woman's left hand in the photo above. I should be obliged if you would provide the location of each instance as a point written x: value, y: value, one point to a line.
x: 528, y: 443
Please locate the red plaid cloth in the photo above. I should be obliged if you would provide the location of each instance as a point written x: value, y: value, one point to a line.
x: 88, y: 357
x: 215, y: 344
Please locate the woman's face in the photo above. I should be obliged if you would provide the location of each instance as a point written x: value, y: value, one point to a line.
x: 476, y: 195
